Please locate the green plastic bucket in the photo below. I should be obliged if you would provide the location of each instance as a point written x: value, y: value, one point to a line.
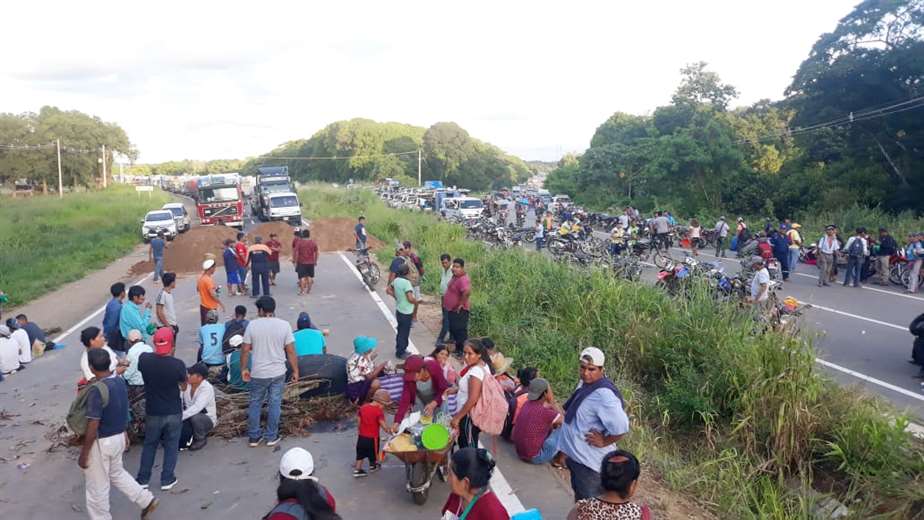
x: 435, y: 437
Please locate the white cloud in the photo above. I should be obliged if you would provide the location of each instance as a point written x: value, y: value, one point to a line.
x: 208, y: 79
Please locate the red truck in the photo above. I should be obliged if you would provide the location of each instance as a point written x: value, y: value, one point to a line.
x: 220, y: 201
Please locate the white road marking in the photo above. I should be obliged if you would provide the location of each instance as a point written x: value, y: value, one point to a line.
x: 96, y: 313
x: 854, y: 373
x: 856, y: 316
x: 378, y: 301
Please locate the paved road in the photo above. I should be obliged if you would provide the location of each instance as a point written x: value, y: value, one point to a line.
x: 228, y: 479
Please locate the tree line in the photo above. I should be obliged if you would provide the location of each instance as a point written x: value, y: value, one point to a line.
x: 849, y: 132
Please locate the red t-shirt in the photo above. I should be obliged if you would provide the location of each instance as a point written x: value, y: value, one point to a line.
x: 305, y: 252
x: 274, y: 246
x: 241, y: 250
x: 488, y: 507
x: 531, y: 428
x: 457, y: 286
x: 370, y: 416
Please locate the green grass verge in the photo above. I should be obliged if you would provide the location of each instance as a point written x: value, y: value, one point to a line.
x: 742, y: 422
x: 46, y: 241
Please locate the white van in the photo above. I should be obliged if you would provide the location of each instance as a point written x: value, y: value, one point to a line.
x: 561, y: 202
x: 463, y: 208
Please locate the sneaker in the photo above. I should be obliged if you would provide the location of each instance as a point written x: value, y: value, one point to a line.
x: 359, y: 473
x: 150, y: 508
x: 253, y: 443
x: 275, y: 441
x: 374, y: 467
x: 169, y: 485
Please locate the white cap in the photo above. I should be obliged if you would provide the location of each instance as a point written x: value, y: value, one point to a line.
x: 596, y: 356
x: 208, y: 264
x: 297, y: 464
x: 236, y: 340
x: 134, y: 335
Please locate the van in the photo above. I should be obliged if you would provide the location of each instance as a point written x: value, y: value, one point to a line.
x: 462, y: 208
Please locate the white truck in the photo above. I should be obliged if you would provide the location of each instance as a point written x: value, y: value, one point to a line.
x: 283, y: 206
x: 462, y: 208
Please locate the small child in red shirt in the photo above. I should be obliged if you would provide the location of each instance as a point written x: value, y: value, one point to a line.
x: 371, y: 420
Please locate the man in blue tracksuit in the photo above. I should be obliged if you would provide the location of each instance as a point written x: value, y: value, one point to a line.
x: 780, y: 251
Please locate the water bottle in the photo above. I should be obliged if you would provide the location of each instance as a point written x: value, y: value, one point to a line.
x: 218, y: 291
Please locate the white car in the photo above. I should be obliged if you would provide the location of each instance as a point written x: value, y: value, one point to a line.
x: 158, y: 220
x: 180, y: 215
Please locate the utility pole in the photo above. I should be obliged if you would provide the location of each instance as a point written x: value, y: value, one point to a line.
x: 104, y: 165
x: 60, y: 178
x: 419, y: 178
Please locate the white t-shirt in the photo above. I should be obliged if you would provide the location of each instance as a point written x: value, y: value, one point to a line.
x: 477, y: 372
x: 9, y: 355
x: 268, y: 338
x: 166, y: 299
x: 623, y: 221
x: 694, y: 232
x: 760, y: 277
x: 85, y: 365
x: 21, y: 338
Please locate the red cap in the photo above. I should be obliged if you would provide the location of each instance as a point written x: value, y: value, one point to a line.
x: 412, y: 365
x: 163, y: 341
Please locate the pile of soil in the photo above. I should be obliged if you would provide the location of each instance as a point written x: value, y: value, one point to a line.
x: 336, y: 234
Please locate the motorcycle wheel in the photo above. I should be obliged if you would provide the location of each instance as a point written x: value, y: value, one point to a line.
x: 896, y: 274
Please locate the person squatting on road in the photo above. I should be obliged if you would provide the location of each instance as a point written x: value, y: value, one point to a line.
x: 362, y: 372
x: 200, y: 414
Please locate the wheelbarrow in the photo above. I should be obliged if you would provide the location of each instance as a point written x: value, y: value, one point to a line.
x: 419, y: 464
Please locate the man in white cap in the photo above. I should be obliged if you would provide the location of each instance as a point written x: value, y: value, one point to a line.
x: 9, y: 352
x: 208, y: 291
x: 299, y: 493
x: 595, y: 419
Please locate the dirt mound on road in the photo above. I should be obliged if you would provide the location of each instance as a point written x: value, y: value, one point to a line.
x: 336, y: 234
x: 187, y: 251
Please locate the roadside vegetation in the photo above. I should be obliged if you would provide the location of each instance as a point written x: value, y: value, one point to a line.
x: 47, y: 241
x: 742, y: 422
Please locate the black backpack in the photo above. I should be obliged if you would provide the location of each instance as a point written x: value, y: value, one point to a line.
x: 856, y: 247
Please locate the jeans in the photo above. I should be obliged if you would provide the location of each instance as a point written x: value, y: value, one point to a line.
x: 163, y: 430
x: 158, y: 269
x: 258, y: 279
x: 549, y: 448
x: 262, y: 390
x: 104, y: 470
x: 403, y: 334
x: 585, y: 482
x: 853, y: 271
x: 444, y: 328
x: 783, y: 259
x: 793, y: 260
x: 195, y: 428
x: 539, y: 242
x: 720, y: 246
x: 242, y: 273
x: 458, y: 328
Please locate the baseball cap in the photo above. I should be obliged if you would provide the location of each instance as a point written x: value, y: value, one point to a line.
x: 412, y: 365
x: 236, y: 340
x: 5, y: 331
x: 134, y: 335
x: 537, y: 389
x: 208, y: 264
x: 163, y: 341
x: 297, y: 464
x: 594, y: 355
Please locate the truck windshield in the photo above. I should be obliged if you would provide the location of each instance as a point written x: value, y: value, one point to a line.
x: 275, y: 187
x: 470, y: 204
x: 218, y: 194
x: 284, y: 202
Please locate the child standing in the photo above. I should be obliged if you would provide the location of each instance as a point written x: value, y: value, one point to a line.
x: 371, y: 420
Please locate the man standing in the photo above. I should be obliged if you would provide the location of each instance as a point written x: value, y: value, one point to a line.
x: 305, y: 258
x: 539, y: 234
x: 760, y: 284
x: 359, y: 234
x: 208, y: 292
x: 402, y: 258
x: 275, y: 247
x: 105, y: 441
x: 887, y: 248
x: 111, y: 318
x: 259, y: 257
x: 595, y: 419
x: 915, y: 255
x: 156, y: 254
x: 662, y: 227
x: 232, y: 269
x: 164, y: 376
x: 780, y: 245
x: 271, y: 341
x: 240, y: 251
x: 721, y: 235
x: 136, y: 313
x: 456, y: 304
x: 165, y: 311
x: 795, y: 245
x: 828, y: 245
x: 857, y: 250
x: 405, y: 309
x: 445, y: 277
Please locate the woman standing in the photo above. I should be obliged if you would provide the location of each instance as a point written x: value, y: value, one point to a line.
x: 299, y: 493
x: 619, y: 479
x: 470, y: 472
x: 695, y: 232
x: 477, y: 366
x: 405, y: 308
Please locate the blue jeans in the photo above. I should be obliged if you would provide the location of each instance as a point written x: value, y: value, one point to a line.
x: 444, y: 327
x: 793, y: 260
x: 585, y: 482
x: 158, y: 269
x: 262, y: 390
x: 162, y: 430
x: 853, y: 270
x: 549, y: 448
x: 242, y: 274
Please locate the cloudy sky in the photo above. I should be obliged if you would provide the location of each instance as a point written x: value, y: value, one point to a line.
x: 204, y: 80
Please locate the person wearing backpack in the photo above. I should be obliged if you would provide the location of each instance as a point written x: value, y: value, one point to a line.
x: 595, y: 419
x: 477, y: 368
x: 105, y: 439
x: 857, y: 251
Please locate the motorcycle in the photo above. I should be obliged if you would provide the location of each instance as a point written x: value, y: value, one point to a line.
x: 368, y: 270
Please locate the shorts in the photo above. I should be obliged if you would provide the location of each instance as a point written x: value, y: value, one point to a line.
x: 367, y: 448
x: 234, y: 278
x: 305, y: 270
x: 274, y: 266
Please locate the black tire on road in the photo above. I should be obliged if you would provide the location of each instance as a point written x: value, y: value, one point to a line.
x: 418, y: 476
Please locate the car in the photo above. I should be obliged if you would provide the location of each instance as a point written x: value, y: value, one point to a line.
x: 158, y: 220
x: 180, y: 215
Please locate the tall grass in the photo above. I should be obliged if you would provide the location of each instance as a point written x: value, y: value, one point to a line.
x: 46, y: 241
x: 740, y: 420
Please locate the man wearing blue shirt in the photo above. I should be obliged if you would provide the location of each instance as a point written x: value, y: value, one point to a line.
x: 136, y: 314
x: 210, y: 337
x: 111, y: 318
x: 595, y: 419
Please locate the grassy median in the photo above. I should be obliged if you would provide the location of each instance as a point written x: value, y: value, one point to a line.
x: 742, y: 422
x: 46, y: 241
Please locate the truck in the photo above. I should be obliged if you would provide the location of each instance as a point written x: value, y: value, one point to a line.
x: 283, y: 205
x: 270, y: 179
x: 219, y: 200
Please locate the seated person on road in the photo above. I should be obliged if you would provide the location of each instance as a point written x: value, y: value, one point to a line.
x: 424, y: 386
x: 199, y: 412
x: 9, y: 352
x: 309, y: 341
x: 92, y: 338
x: 132, y: 375
x: 210, y: 336
x: 36, y: 336
x: 234, y: 327
x: 233, y: 359
x: 362, y: 372
x: 538, y: 425
x: 299, y: 494
x: 21, y: 338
